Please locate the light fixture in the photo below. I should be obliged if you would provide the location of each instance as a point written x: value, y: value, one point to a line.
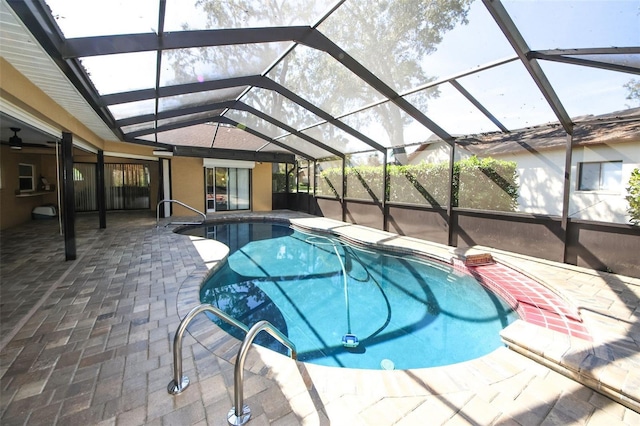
x: 161, y: 153
x: 14, y: 141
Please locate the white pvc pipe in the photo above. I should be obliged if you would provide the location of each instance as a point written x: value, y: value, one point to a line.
x: 58, y: 187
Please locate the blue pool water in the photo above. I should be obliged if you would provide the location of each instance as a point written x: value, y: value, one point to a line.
x: 406, y: 312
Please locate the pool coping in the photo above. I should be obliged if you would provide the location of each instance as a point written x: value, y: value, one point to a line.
x: 612, y: 372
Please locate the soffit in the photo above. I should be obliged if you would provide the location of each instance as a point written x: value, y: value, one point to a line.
x: 24, y: 53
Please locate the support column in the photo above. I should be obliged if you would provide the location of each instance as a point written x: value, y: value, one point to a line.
x: 289, y: 194
x: 452, y: 239
x: 385, y: 191
x: 308, y: 186
x: 565, y: 195
x: 68, y: 197
x: 100, y: 193
x: 164, y: 187
x: 286, y: 182
x: 344, y: 189
x: 315, y: 189
x: 160, y: 207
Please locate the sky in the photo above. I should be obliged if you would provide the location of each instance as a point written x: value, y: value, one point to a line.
x: 507, y: 91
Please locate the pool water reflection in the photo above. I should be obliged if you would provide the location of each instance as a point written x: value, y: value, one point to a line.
x: 405, y: 312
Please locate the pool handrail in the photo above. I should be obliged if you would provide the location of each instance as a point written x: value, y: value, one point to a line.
x: 180, y: 382
x: 240, y: 413
x: 204, y: 216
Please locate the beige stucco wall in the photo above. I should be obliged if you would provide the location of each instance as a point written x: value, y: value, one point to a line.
x: 16, y: 210
x: 187, y: 174
x: 127, y: 148
x: 19, y: 91
x: 261, y: 188
x: 187, y: 184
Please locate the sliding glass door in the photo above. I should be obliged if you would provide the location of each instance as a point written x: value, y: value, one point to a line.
x: 85, y: 187
x: 238, y: 189
x: 127, y: 186
x: 227, y: 189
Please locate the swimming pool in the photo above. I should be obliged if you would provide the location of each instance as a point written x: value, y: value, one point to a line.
x: 403, y: 312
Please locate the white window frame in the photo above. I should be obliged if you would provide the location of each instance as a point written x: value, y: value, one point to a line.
x: 31, y: 177
x: 601, y: 177
x: 237, y: 193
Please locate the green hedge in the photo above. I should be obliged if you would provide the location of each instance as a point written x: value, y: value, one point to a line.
x: 279, y: 182
x: 634, y: 197
x: 485, y: 184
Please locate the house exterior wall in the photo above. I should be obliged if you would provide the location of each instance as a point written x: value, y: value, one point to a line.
x: 541, y: 179
x: 605, y: 206
x: 187, y: 174
x: 15, y: 209
x: 187, y: 185
x: 437, y: 152
x: 261, y: 187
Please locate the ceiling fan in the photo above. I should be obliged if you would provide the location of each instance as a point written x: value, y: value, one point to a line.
x: 15, y: 142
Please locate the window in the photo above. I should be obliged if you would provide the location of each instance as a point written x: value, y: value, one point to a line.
x: 85, y: 187
x: 26, y: 177
x: 127, y: 186
x: 602, y: 176
x: 279, y: 178
x: 77, y: 175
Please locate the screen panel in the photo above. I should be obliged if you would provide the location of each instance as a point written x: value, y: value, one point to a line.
x: 576, y: 23
x: 423, y: 40
x: 323, y: 81
x: 222, y: 14
x: 198, y: 64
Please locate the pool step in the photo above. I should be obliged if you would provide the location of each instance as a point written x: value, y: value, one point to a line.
x: 610, y: 369
x: 534, y: 302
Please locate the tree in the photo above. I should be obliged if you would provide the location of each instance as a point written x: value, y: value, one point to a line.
x: 633, y: 86
x: 634, y: 197
x: 391, y: 38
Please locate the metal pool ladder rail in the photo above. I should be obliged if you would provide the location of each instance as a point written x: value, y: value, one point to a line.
x: 239, y: 413
x: 204, y: 216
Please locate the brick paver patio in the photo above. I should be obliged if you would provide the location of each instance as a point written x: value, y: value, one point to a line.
x: 89, y: 342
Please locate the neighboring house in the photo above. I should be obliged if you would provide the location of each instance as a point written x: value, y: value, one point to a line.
x: 606, y: 149
x: 433, y: 151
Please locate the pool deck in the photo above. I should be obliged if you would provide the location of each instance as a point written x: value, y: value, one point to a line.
x: 90, y: 342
